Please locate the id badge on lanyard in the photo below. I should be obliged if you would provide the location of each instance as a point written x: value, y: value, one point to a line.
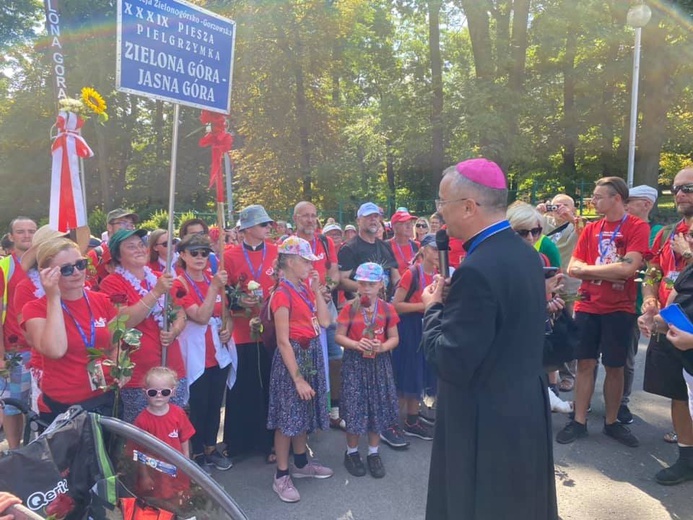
x: 673, y: 275
x: 316, y: 325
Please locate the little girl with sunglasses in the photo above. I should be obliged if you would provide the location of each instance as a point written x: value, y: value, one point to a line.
x: 168, y: 423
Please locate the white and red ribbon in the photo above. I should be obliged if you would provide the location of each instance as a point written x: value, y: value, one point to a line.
x: 67, y: 209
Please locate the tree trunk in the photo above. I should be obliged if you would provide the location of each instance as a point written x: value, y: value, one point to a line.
x: 437, y: 138
x: 657, y: 95
x: 302, y: 121
x: 570, y: 130
x: 518, y: 46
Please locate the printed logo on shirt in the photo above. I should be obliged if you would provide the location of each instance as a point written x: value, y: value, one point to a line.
x: 218, y: 298
x: 379, y: 331
x: 173, y: 434
x: 270, y: 271
x: 101, y: 323
x: 608, y: 251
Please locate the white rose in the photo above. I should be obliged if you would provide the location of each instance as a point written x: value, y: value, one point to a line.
x: 253, y: 285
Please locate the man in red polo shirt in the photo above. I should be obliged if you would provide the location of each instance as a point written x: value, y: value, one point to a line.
x: 608, y: 254
x: 403, y: 245
x: 253, y: 260
x: 12, y: 342
x: 663, y: 363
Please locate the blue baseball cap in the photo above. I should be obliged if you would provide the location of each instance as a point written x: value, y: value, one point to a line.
x: 366, y: 209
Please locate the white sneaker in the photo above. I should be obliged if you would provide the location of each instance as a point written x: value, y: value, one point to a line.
x: 559, y: 405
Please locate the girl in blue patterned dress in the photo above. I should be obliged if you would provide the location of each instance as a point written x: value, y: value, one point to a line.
x: 367, y: 329
x: 298, y: 391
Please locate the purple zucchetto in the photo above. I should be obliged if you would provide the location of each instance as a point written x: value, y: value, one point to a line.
x: 484, y: 172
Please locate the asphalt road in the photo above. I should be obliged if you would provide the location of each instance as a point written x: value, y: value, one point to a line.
x: 596, y: 478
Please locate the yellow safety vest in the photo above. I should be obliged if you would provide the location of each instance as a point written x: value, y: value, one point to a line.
x: 7, y: 266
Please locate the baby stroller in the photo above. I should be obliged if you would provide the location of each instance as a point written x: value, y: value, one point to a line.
x: 84, y: 465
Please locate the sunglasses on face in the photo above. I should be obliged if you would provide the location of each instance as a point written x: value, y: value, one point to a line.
x: 264, y: 224
x: 422, y: 226
x: 80, y: 265
x: 153, y: 392
x: 686, y: 188
x: 163, y: 244
x: 525, y: 232
x: 204, y: 253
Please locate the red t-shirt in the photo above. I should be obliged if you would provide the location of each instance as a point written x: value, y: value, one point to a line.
x: 301, y: 316
x: 100, y: 263
x: 606, y: 297
x: 669, y: 262
x: 240, y: 273
x: 23, y: 295
x: 403, y: 254
x: 149, y: 353
x: 12, y: 332
x: 424, y: 280
x: 191, y: 298
x: 173, y: 428
x: 387, y: 317
x: 456, y: 253
x: 66, y: 380
x: 326, y: 257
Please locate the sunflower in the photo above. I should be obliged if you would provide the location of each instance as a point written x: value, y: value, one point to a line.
x: 93, y: 100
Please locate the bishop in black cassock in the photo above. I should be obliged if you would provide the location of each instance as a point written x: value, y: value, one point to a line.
x: 492, y: 456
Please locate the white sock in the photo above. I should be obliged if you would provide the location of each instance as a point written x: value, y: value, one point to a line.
x: 351, y: 451
x: 334, y: 412
x: 372, y: 450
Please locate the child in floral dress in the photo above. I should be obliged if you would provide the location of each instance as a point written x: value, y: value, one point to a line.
x: 367, y: 329
x: 298, y: 390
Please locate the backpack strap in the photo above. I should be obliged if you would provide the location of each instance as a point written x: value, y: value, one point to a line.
x: 326, y: 247
x: 414, y: 286
x: 558, y: 229
x: 666, y: 231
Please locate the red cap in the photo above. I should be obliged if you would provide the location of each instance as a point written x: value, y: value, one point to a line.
x: 402, y: 216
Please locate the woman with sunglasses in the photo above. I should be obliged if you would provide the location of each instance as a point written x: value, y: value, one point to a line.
x: 527, y: 222
x: 204, y: 345
x: 61, y: 325
x: 140, y: 294
x: 159, y: 243
x: 421, y: 229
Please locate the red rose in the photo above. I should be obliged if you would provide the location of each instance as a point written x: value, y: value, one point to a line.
x: 242, y: 278
x: 619, y: 243
x: 61, y: 506
x: 180, y: 292
x: 648, y: 256
x: 365, y: 301
x: 13, y: 338
x: 118, y: 299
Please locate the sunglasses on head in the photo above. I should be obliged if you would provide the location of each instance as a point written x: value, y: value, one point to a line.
x: 525, y: 232
x: 421, y: 225
x: 204, y: 253
x: 686, y: 188
x: 80, y: 265
x: 153, y: 392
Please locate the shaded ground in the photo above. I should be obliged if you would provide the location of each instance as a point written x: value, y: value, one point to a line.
x: 596, y: 478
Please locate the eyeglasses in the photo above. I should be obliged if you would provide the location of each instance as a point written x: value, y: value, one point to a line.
x: 68, y: 269
x: 440, y: 202
x: 204, y: 253
x: 123, y: 224
x: 422, y: 226
x: 525, y: 232
x: 153, y: 392
x: 686, y: 188
x: 600, y: 197
x: 163, y: 244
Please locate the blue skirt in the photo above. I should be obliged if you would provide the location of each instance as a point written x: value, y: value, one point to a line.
x: 287, y: 411
x: 413, y: 376
x: 368, y: 402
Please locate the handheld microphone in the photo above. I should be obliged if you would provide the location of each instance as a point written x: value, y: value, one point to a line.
x: 443, y: 244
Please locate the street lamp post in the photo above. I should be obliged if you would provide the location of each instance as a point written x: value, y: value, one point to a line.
x: 638, y: 16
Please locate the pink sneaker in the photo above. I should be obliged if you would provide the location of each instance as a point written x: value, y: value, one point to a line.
x: 284, y: 487
x: 311, y: 470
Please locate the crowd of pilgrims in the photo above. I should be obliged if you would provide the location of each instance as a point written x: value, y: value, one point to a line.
x: 346, y: 309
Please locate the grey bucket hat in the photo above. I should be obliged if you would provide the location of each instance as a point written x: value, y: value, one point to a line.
x: 252, y: 216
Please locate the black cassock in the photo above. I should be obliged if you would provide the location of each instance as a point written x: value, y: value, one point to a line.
x: 492, y: 455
